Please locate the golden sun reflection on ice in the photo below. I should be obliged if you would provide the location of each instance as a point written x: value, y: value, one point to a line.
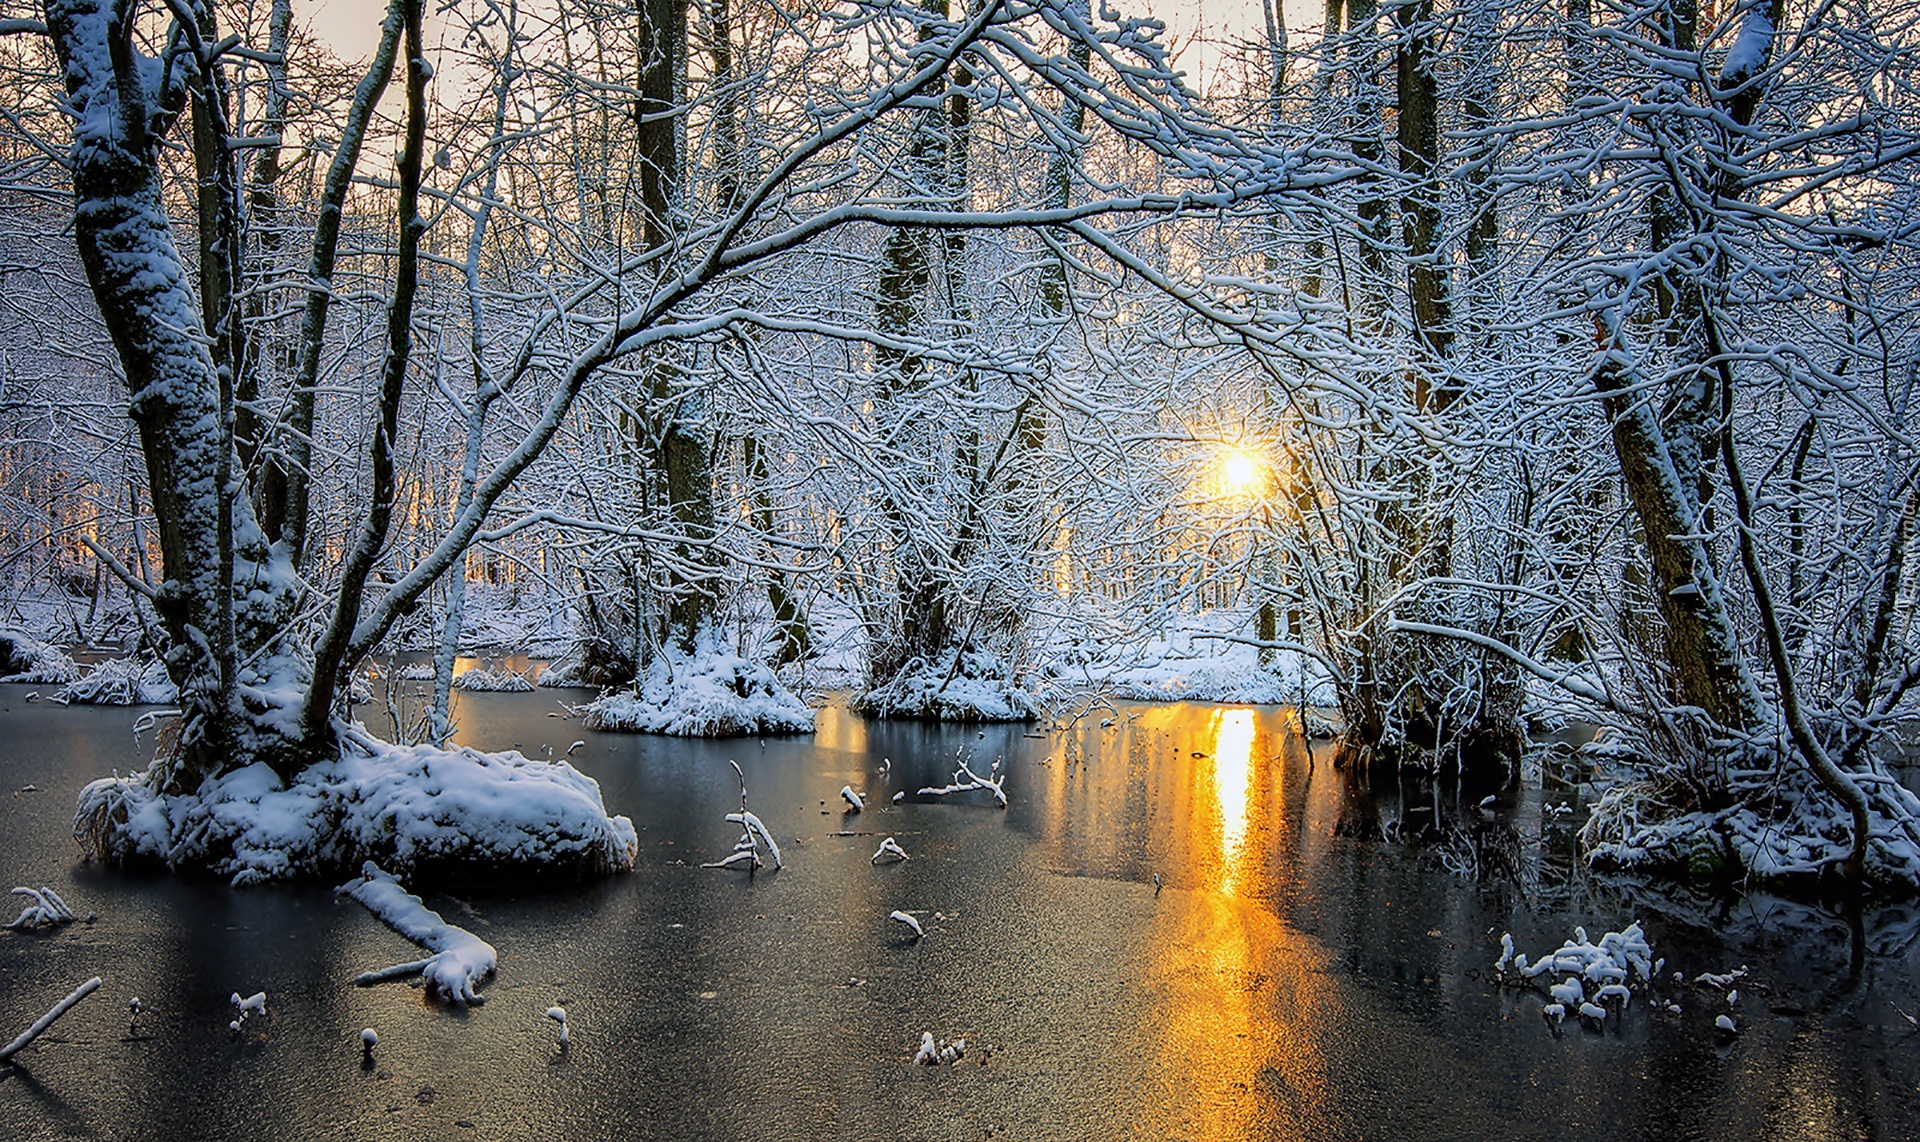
x: 1232, y: 772
x: 1245, y: 994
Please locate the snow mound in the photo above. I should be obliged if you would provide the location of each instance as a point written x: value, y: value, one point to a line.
x: 710, y: 696
x: 417, y: 809
x: 123, y: 682
x: 1795, y: 833
x: 502, y: 681
x: 977, y: 690
x: 26, y: 659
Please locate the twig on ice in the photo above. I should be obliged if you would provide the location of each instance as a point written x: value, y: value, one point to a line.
x: 45, y: 1021
x: 753, y: 833
x: 46, y: 910
x: 973, y: 780
x: 909, y: 921
x: 889, y: 850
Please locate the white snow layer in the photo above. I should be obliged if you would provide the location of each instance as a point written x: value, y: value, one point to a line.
x: 460, y: 959
x: 405, y: 807
x: 710, y: 695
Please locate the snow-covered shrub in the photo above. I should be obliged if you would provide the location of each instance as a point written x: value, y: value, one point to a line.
x: 973, y: 689
x: 416, y: 809
x: 26, y: 659
x: 502, y: 681
x: 123, y: 682
x: 711, y: 695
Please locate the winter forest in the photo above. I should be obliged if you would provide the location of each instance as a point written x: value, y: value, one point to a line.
x: 1462, y: 376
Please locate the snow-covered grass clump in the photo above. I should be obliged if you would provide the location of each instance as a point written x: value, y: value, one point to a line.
x: 753, y: 835
x: 974, y: 688
x: 416, y: 809
x: 123, y: 682
x: 44, y: 909
x: 27, y: 659
x: 502, y: 681
x: 460, y: 959
x: 1784, y: 831
x: 932, y: 1053
x: 711, y: 695
x: 1584, y: 978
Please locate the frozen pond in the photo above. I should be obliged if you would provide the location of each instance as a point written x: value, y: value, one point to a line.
x: 1306, y: 969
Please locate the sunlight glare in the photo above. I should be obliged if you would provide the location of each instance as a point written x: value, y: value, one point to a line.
x: 1239, y: 472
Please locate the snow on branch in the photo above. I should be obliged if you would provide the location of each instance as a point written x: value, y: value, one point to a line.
x: 460, y: 959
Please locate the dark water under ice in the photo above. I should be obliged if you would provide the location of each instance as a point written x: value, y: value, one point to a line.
x: 1317, y: 964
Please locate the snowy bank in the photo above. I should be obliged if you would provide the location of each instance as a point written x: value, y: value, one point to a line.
x: 973, y: 689
x: 27, y: 659
x: 123, y: 682
x: 1787, y: 833
x: 420, y: 810
x: 712, y: 695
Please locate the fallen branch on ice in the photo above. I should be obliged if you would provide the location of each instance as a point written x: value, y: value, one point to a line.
x: 460, y: 959
x: 45, y: 1021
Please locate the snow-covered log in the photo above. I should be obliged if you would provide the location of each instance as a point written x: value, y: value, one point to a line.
x: 460, y: 960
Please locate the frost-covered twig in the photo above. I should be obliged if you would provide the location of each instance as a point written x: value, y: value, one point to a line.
x: 909, y: 921
x: 460, y: 959
x: 753, y: 834
x: 964, y: 779
x: 889, y: 850
x: 855, y: 802
x: 46, y: 910
x: 45, y: 1021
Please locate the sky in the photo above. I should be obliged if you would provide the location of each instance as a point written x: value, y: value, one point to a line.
x: 1196, y: 26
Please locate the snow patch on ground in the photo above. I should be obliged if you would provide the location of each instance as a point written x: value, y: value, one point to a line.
x: 411, y: 808
x: 709, y: 695
x: 975, y: 689
x: 1197, y: 658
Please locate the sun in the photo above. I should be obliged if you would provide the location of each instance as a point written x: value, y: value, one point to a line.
x: 1239, y: 472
